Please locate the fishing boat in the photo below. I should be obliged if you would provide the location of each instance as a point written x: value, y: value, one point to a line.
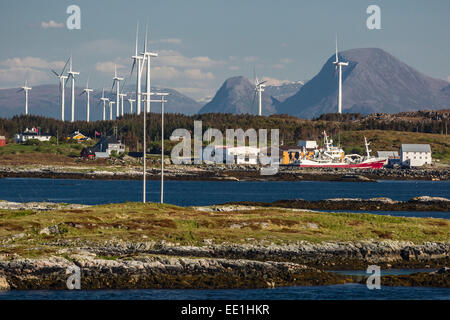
x: 331, y: 156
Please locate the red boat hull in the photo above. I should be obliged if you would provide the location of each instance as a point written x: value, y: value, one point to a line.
x: 363, y: 165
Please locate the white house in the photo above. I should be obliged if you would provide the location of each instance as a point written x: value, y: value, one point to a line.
x: 307, y: 144
x: 32, y: 133
x: 415, y: 155
x: 235, y: 155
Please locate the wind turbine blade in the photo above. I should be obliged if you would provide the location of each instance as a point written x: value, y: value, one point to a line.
x: 132, y: 67
x: 254, y: 98
x: 54, y: 72
x: 21, y: 89
x: 146, y: 33
x: 112, y: 88
x: 262, y: 82
x: 67, y: 80
x: 336, y: 50
x: 82, y: 92
x: 64, y: 69
x: 137, y: 36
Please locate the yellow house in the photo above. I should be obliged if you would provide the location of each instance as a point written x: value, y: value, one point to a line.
x: 78, y: 136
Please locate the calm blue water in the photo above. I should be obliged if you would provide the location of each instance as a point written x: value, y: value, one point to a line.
x: 336, y: 292
x: 189, y: 193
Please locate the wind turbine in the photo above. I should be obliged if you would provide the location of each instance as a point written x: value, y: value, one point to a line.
x: 339, y: 64
x: 130, y: 101
x: 137, y: 58
x: 259, y: 88
x: 104, y: 100
x: 25, y: 88
x: 61, y: 77
x: 147, y: 55
x: 71, y: 75
x: 110, y: 109
x: 116, y: 80
x: 87, y: 91
x: 122, y: 95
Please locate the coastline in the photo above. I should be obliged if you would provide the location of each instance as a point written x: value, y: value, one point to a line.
x: 128, y: 246
x: 222, y: 173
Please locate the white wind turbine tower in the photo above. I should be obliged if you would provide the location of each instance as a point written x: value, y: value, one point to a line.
x: 130, y: 101
x: 116, y: 82
x: 122, y: 95
x: 104, y: 100
x: 72, y: 75
x: 147, y: 55
x: 339, y: 64
x: 87, y: 91
x: 25, y: 88
x: 137, y: 57
x: 111, y: 103
x: 62, y: 83
x: 259, y: 88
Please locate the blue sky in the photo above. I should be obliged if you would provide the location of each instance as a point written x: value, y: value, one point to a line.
x: 201, y: 43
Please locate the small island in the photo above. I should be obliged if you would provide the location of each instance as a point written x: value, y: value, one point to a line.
x: 134, y: 245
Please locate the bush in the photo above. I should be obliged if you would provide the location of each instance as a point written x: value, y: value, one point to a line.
x: 33, y: 142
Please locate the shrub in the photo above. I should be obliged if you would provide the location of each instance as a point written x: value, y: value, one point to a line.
x: 33, y: 142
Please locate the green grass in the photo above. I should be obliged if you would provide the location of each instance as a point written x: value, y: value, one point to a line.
x: 66, y: 149
x: 186, y: 226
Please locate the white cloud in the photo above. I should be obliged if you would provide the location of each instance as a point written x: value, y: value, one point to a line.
x: 35, y: 70
x: 51, y: 24
x: 31, y: 62
x: 108, y: 66
x: 15, y: 77
x: 165, y: 73
x: 175, y: 59
x: 197, y: 74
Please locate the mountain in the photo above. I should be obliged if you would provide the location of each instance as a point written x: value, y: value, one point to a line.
x: 45, y: 100
x: 374, y: 81
x: 237, y: 96
x: 283, y: 91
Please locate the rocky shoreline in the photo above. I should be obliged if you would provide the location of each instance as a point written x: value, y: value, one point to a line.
x: 225, y: 173
x: 129, y: 265
x: 423, y: 203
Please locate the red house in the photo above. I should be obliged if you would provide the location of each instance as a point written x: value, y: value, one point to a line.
x: 2, y: 141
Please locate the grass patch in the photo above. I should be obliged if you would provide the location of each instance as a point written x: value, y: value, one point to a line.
x: 187, y: 226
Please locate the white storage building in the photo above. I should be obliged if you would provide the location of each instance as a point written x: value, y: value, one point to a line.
x: 415, y: 155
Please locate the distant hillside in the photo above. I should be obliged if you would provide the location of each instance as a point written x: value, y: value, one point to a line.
x: 237, y: 96
x: 284, y: 91
x: 45, y: 100
x: 374, y: 81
